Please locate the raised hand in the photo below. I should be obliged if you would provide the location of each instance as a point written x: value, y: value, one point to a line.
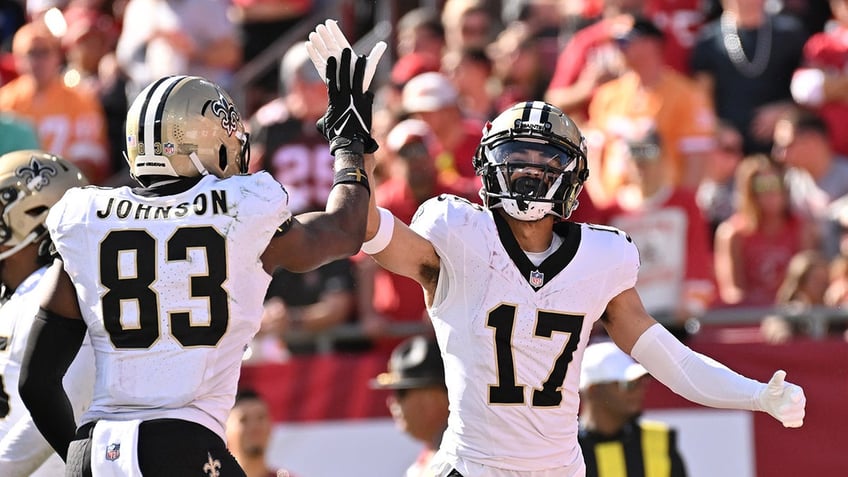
x: 783, y: 401
x: 328, y: 41
x: 347, y: 122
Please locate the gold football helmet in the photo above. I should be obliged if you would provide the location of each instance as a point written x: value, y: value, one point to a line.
x: 31, y: 182
x: 532, y: 160
x: 185, y: 126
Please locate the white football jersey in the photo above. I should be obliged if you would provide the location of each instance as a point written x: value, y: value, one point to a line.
x: 171, y: 289
x: 22, y: 447
x: 512, y: 335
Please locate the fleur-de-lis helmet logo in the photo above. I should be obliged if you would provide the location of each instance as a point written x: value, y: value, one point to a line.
x: 36, y: 175
x: 225, y: 110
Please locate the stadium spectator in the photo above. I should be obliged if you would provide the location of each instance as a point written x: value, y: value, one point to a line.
x: 590, y: 59
x: 676, y: 280
x: 744, y: 60
x: 420, y: 32
x: 754, y: 246
x: 468, y: 24
x: 432, y: 98
x: 306, y: 305
x: 615, y: 440
x: 821, y: 83
x: 470, y: 71
x: 91, y: 65
x: 69, y: 121
x: 804, y: 286
x: 649, y: 94
x: 170, y: 406
x: 186, y: 37
x: 815, y: 174
x: 419, y: 399
x: 248, y: 431
x: 23, y: 265
x: 716, y: 194
x: 518, y: 65
x: 283, y: 137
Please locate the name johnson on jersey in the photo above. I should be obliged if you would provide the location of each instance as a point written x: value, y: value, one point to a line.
x: 213, y: 202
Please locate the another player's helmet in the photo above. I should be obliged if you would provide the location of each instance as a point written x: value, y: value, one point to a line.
x: 31, y: 182
x: 185, y: 126
x: 530, y: 189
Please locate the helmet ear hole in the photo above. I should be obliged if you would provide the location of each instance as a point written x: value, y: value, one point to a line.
x: 222, y: 157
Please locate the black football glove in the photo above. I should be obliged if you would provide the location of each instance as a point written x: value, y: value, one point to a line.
x: 347, y: 122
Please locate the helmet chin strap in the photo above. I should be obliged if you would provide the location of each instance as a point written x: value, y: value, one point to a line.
x: 26, y: 241
x: 197, y: 164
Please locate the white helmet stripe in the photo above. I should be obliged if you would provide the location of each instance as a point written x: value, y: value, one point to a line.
x: 147, y: 124
x: 536, y: 112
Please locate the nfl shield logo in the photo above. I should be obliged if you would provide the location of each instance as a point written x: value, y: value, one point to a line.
x: 169, y: 148
x: 537, y: 278
x: 113, y: 451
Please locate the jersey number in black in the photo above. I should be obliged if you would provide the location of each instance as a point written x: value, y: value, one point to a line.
x: 138, y: 288
x: 502, y: 319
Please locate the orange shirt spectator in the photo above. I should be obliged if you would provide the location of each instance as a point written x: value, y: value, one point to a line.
x: 70, y: 122
x: 651, y: 95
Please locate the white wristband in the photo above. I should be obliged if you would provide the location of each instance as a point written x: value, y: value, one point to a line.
x: 383, y: 236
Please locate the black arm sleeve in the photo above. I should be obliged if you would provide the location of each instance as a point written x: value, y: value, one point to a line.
x: 51, y: 347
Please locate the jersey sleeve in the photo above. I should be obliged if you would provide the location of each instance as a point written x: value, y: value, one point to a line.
x: 617, y: 249
x: 263, y: 195
x: 431, y: 221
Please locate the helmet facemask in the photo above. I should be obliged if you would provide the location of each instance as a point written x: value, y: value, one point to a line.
x: 532, y: 169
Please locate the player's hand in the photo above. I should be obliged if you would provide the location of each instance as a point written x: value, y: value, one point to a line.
x: 328, y: 41
x: 347, y: 122
x: 784, y: 401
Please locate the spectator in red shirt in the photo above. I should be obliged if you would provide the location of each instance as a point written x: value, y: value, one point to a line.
x: 676, y: 278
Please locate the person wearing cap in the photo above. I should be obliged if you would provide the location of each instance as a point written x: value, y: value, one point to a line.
x: 432, y: 98
x: 650, y: 92
x: 419, y: 399
x: 613, y: 438
x: 676, y: 279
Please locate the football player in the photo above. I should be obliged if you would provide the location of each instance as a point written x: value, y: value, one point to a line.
x: 513, y: 289
x: 31, y: 182
x: 168, y: 279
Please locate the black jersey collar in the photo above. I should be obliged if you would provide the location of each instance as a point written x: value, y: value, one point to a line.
x: 537, y: 277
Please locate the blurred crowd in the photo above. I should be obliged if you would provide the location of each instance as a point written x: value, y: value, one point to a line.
x: 717, y: 131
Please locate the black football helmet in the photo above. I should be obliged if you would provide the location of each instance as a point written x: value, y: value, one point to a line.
x: 532, y: 160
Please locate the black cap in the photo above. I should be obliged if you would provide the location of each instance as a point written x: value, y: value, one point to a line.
x: 642, y: 28
x: 415, y: 363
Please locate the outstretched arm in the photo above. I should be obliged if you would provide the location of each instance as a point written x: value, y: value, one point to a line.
x: 313, y: 239
x: 54, y: 340
x: 694, y: 376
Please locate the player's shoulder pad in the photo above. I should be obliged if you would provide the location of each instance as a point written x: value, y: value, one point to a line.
x: 609, y: 236
x: 445, y: 205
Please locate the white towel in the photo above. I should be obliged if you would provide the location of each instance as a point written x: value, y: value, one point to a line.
x: 114, y: 447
